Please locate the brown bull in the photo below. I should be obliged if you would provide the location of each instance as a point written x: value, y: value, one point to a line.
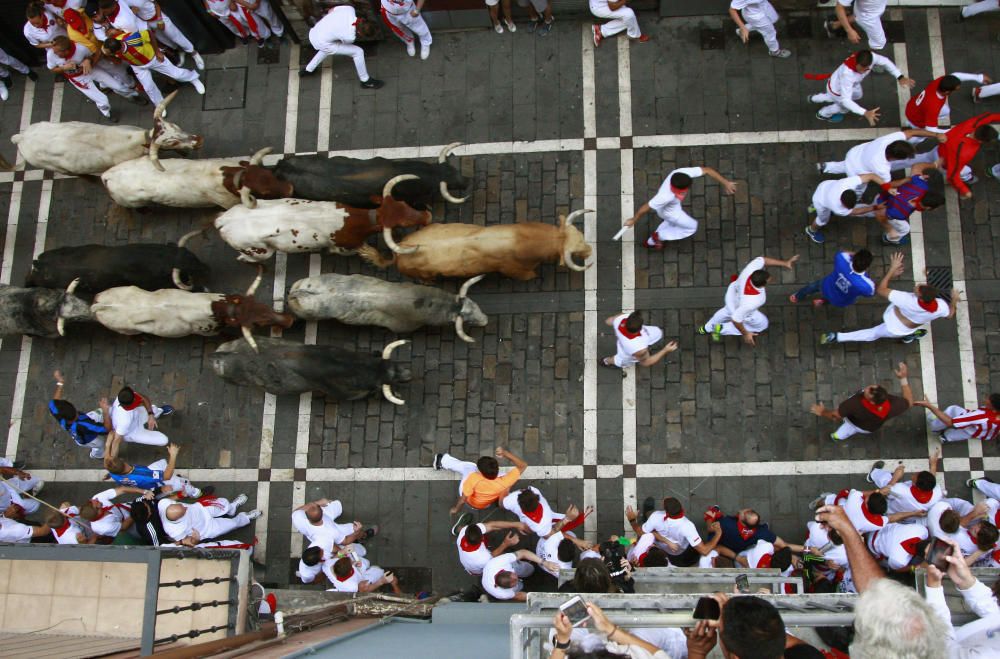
x: 465, y: 250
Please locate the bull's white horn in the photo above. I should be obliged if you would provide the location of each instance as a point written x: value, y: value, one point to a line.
x: 460, y: 330
x: 393, y: 245
x: 391, y: 183
x: 256, y: 282
x: 154, y: 154
x: 247, y: 199
x: 162, y: 105
x: 61, y: 326
x: 188, y: 236
x: 449, y: 196
x: 238, y: 179
x: 175, y: 275
x: 249, y: 337
x: 71, y: 289
x: 387, y: 351
x: 256, y: 158
x: 568, y: 260
x: 464, y: 291
x: 391, y: 397
x: 446, y: 151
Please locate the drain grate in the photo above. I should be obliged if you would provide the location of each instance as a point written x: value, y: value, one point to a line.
x: 940, y: 278
x: 713, y: 39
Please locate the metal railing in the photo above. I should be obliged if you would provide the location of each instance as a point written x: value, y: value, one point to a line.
x: 701, y: 580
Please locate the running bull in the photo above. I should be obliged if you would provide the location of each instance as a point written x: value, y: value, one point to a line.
x: 399, y: 307
x: 99, y: 267
x: 191, y: 183
x: 79, y: 148
x: 285, y: 367
x: 39, y: 311
x: 258, y: 229
x: 467, y: 250
x: 174, y: 313
x: 357, y: 183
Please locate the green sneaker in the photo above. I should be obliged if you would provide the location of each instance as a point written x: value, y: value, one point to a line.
x: 717, y: 333
x: 701, y: 330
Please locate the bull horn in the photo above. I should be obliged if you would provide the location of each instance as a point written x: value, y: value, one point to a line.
x: 391, y: 397
x: 162, y: 105
x: 446, y: 151
x: 154, y: 154
x: 256, y: 158
x: 61, y: 326
x: 393, y: 245
x: 387, y: 351
x: 464, y: 291
x: 256, y: 282
x: 71, y: 289
x: 391, y: 183
x: 61, y: 322
x: 568, y: 260
x: 449, y: 196
x: 175, y: 273
x: 246, y: 198
x: 249, y: 337
x: 460, y: 330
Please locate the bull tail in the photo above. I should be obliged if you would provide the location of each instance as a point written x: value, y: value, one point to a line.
x: 373, y: 256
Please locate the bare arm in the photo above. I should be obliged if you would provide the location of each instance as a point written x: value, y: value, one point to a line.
x: 58, y: 393
x: 458, y: 505
x: 518, y: 462
x: 727, y: 185
x: 172, y: 451
x: 705, y: 548
x: 787, y: 264
x: 956, y: 297
x: 902, y: 372
x: 638, y: 215
x: 656, y: 357
x: 898, y: 517
x: 845, y: 22
x: 895, y: 269
x: 821, y: 410
x: 934, y: 460
x: 738, y: 19
x: 936, y: 411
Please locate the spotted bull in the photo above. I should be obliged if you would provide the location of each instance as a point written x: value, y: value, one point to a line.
x: 467, y: 250
x: 191, y: 183
x: 79, y: 148
x: 99, y: 267
x: 399, y: 307
x: 258, y: 229
x: 357, y: 183
x: 39, y: 311
x: 174, y: 313
x: 285, y: 367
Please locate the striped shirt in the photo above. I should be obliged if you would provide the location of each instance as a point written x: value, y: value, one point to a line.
x: 982, y: 423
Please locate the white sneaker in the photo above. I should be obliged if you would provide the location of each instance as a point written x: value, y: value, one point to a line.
x: 181, y: 58
x: 781, y: 53
x: 411, y: 49
x: 425, y: 52
x: 240, y: 500
x: 198, y: 61
x: 199, y: 86
x: 97, y: 453
x: 254, y: 514
x: 511, y: 26
x: 38, y: 488
x: 4, y: 94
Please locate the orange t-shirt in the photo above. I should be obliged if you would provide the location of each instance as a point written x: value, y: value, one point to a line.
x: 480, y: 492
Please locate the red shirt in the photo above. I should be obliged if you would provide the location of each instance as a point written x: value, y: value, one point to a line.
x: 924, y: 109
x: 960, y: 148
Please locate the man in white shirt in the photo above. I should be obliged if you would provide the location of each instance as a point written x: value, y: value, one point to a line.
x: 239, y: 20
x: 537, y: 515
x: 334, y: 34
x: 133, y: 418
x: 956, y: 424
x: 977, y: 638
x: 106, y: 517
x: 404, y: 19
x: 675, y: 533
x: 634, y: 339
x: 317, y: 521
x: 135, y: 15
x: 76, y: 63
x: 837, y: 197
x: 675, y: 223
x: 622, y: 18
x: 757, y: 16
x: 906, y: 314
x: 843, y: 87
x: 351, y: 572
x: 880, y: 156
x: 503, y: 574
x: 18, y: 483
x: 867, y: 14
x: 866, y: 510
x: 974, y: 535
x: 897, y: 545
x: 209, y: 518
x: 18, y: 533
x: 67, y: 528
x: 919, y: 493
x: 473, y: 553
x: 41, y: 29
x: 8, y: 62
x: 744, y: 297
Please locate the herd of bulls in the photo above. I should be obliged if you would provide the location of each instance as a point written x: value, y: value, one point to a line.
x: 302, y: 204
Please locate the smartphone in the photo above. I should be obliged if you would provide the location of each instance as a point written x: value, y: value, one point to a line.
x: 354, y: 557
x: 743, y: 583
x: 576, y: 610
x: 707, y: 608
x: 938, y: 553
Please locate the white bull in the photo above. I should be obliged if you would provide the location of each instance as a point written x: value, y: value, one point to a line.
x: 79, y: 148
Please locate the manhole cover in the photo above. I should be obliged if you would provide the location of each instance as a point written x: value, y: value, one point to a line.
x: 712, y: 39
x: 940, y: 278
x: 225, y: 89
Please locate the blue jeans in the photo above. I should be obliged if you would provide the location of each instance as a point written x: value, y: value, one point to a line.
x: 809, y: 290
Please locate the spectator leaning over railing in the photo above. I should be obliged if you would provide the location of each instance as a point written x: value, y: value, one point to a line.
x: 977, y: 638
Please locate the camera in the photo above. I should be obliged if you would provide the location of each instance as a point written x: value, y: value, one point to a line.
x: 612, y: 553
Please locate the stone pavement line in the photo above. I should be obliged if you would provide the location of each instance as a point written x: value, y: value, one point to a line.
x: 590, y: 319
x: 966, y: 354
x: 41, y: 229
x: 17, y: 189
x: 628, y: 462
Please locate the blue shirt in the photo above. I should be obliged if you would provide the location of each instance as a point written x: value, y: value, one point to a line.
x: 144, y: 477
x: 731, y: 538
x: 843, y: 286
x: 83, y: 430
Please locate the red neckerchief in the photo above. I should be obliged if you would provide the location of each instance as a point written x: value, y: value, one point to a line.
x: 745, y: 532
x: 995, y: 555
x: 680, y: 194
x: 910, y: 545
x: 764, y: 561
x: 922, y: 496
x: 627, y: 334
x: 881, y: 410
x: 536, y: 514
x: 750, y: 289
x: 468, y: 546
x: 136, y: 402
x: 877, y: 520
x: 996, y: 518
x: 679, y: 515
x: 852, y: 62
x: 975, y: 541
x: 641, y: 561
x: 347, y: 577
x: 842, y: 496
x: 931, y: 306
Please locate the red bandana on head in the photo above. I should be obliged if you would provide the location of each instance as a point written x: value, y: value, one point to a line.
x: 922, y: 496
x: 468, y: 546
x: 347, y: 577
x: 534, y: 515
x: 136, y: 402
x: 910, y: 545
x: 764, y: 561
x: 680, y: 194
x: 931, y: 306
x: 745, y: 532
x: 625, y: 332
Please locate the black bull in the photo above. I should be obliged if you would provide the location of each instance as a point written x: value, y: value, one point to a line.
x: 356, y: 183
x: 100, y: 267
x: 286, y: 367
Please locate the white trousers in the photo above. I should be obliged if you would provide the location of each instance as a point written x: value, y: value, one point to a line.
x: 951, y: 434
x: 622, y: 18
x: 872, y: 25
x: 171, y: 36
x: 245, y: 24
x: 145, y: 76
x: 991, y: 490
x: 930, y: 157
x: 220, y: 524
x: 881, y: 477
x: 11, y: 62
x: 989, y: 90
x: 144, y: 435
x: 25, y: 485
x: 847, y: 429
x: 178, y: 483
x: 870, y: 334
x: 340, y: 48
x: 835, y: 107
x: 623, y: 358
x: 678, y: 225
x: 822, y: 212
x: 765, y: 27
x: 979, y: 8
x: 460, y: 467
x: 266, y: 11
x: 407, y: 27
x: 87, y: 85
x: 754, y: 322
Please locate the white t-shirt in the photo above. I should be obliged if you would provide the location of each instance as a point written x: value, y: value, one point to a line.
x: 681, y: 531
x: 114, y: 515
x: 126, y: 20
x: 910, y: 307
x: 40, y: 35
x: 329, y: 532
x: 962, y: 536
x: 869, y: 158
x: 505, y: 563
x: 14, y: 531
x: 902, y: 499
x: 363, y: 571
x: 665, y: 202
x: 857, y: 511
x: 473, y: 561
x: 337, y: 25
x: 637, y: 552
x: 818, y: 538
x: 742, y: 297
x: 195, y: 518
x: 308, y: 573
x: 894, y: 544
x: 866, y: 8
x: 629, y: 346
x: 759, y: 556
x: 828, y: 194
x: 125, y: 422
x: 71, y: 528
x: 548, y: 550
x: 543, y: 526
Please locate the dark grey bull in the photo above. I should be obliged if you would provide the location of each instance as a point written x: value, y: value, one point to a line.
x: 99, y: 268
x: 39, y: 311
x: 285, y: 367
x: 359, y: 183
x: 399, y: 307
